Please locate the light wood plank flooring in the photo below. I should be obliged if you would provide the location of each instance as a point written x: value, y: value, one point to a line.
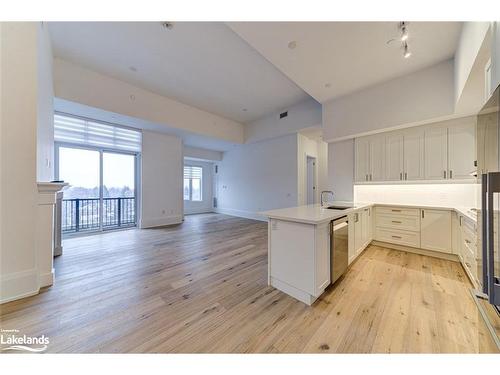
x: 202, y: 287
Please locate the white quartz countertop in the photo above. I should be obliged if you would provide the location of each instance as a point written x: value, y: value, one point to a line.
x: 315, y: 214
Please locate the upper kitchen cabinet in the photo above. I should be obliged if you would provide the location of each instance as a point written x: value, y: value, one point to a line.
x: 369, y: 159
x: 436, y: 153
x: 413, y: 155
x: 461, y: 150
x: 394, y: 169
x: 442, y: 151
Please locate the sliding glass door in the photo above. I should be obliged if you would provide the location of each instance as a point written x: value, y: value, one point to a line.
x: 102, y: 190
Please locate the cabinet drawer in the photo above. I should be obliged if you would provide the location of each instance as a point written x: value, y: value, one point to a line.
x: 471, y: 266
x: 399, y: 237
x: 398, y: 222
x: 398, y: 211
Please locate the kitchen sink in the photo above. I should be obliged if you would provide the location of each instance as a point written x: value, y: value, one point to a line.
x: 337, y: 207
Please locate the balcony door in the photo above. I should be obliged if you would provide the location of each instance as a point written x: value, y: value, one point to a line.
x: 102, y: 191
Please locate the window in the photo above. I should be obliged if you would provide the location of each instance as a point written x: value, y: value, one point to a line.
x: 192, y: 183
x: 86, y: 132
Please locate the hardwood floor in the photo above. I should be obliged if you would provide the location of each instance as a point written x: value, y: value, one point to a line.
x: 202, y: 287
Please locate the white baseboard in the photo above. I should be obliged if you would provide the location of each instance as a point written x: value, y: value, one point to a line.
x: 160, y: 221
x: 18, y: 285
x: 201, y: 210
x: 241, y: 213
x: 46, y: 279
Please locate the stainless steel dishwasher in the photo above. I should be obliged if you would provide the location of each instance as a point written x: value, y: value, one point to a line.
x: 339, y: 245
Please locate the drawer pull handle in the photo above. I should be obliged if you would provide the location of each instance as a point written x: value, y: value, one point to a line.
x: 398, y: 237
x: 396, y: 210
x: 468, y: 265
x: 467, y: 241
x: 396, y: 222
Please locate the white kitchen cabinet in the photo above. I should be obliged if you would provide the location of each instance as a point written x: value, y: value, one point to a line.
x: 369, y: 159
x: 394, y: 156
x: 413, y: 155
x: 358, y: 232
x: 455, y: 234
x: 377, y: 164
x: 299, y: 258
x: 487, y: 143
x: 461, y: 150
x: 435, y: 230
x: 366, y: 227
x: 436, y: 153
x: 362, y: 162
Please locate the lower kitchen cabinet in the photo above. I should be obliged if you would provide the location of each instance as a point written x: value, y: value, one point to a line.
x: 435, y: 230
x: 361, y: 224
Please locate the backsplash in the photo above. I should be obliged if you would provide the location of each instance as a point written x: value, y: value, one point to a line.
x: 454, y: 195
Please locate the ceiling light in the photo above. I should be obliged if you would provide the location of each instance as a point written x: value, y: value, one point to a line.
x: 168, y: 25
x: 407, y: 52
x: 292, y: 44
x: 404, y: 31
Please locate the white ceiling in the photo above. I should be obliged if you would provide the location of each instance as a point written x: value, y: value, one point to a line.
x: 347, y: 55
x: 205, y: 65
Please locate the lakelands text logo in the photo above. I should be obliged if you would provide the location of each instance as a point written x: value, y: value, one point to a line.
x: 12, y: 340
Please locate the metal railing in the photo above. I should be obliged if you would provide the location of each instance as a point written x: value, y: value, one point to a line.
x: 84, y: 214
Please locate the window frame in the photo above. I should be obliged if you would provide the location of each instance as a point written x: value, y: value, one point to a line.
x: 190, y: 199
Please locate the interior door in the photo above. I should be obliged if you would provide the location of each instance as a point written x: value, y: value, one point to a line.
x: 435, y: 144
x: 414, y: 157
x: 461, y: 151
x: 394, y: 157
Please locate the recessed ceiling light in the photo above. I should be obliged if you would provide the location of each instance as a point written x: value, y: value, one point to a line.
x: 168, y: 25
x: 328, y: 85
x: 292, y: 44
x: 133, y: 68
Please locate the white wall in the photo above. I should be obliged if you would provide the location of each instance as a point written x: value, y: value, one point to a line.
x: 78, y: 84
x: 415, y: 98
x: 303, y: 115
x: 202, y: 154
x: 341, y: 169
x: 162, y: 180
x: 445, y: 195
x: 206, y: 205
x: 495, y: 55
x: 471, y: 39
x: 257, y: 177
x: 45, y: 130
x: 316, y: 149
x: 18, y: 168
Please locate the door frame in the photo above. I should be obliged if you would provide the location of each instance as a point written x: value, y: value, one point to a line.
x: 102, y: 150
x: 315, y: 178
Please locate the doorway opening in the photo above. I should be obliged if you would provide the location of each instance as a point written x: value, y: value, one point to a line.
x: 311, y: 179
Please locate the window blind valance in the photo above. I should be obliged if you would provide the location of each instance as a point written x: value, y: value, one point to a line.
x: 192, y: 172
x: 85, y: 132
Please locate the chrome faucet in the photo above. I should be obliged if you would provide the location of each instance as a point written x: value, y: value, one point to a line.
x: 322, y: 194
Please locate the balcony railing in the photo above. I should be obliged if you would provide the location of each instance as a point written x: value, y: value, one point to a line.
x: 83, y: 214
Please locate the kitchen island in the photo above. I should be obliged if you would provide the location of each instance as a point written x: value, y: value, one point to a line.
x: 299, y: 247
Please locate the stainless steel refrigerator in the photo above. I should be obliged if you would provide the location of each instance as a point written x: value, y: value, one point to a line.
x: 489, y: 176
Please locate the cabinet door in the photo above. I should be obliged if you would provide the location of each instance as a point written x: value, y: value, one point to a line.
x: 358, y: 231
x: 461, y: 150
x: 394, y: 157
x: 435, y: 230
x: 436, y: 154
x: 367, y: 226
x: 361, y: 156
x: 413, y: 159
x: 455, y: 234
x: 377, y: 159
